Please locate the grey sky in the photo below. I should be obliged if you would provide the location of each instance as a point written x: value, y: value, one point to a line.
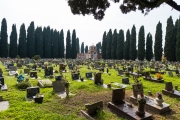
x: 57, y: 15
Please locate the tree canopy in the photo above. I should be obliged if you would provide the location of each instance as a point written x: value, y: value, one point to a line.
x: 98, y: 7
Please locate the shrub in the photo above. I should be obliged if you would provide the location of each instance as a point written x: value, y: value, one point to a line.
x: 23, y: 85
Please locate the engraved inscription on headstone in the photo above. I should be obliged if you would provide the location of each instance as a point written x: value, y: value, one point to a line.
x: 137, y: 89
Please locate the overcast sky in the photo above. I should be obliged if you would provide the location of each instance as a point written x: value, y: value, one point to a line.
x: 57, y: 15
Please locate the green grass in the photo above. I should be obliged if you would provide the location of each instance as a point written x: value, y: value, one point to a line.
x: 55, y: 108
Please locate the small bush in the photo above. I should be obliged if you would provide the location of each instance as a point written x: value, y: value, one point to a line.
x: 23, y: 85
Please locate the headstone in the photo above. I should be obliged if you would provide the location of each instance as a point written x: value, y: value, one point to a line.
x: 32, y: 91
x: 33, y: 74
x: 118, y: 95
x: 89, y: 75
x: 58, y: 78
x: 58, y: 86
x: 75, y: 76
x: 137, y: 89
x: 12, y: 68
x: 169, y: 86
x: 170, y: 73
x: 125, y: 80
x: 44, y: 83
x: 26, y: 71
x: 2, y: 80
x: 19, y: 65
x: 97, y: 78
x: 120, y: 72
x: 93, y: 108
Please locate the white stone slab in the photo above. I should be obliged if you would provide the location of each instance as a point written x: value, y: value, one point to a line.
x: 4, y: 105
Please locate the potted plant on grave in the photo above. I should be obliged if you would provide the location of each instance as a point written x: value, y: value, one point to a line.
x: 141, y: 104
x: 38, y: 98
x: 159, y: 99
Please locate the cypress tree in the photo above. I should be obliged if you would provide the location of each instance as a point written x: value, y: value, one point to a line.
x: 22, y: 47
x: 133, y: 44
x: 68, y: 45
x: 77, y: 45
x: 44, y: 41
x: 104, y: 42
x: 39, y: 41
x: 47, y: 42
x: 52, y: 41
x: 98, y: 47
x: 158, y: 43
x: 61, y: 44
x: 109, y: 43
x: 149, y: 44
x: 170, y: 42
x: 30, y: 41
x: 127, y: 46
x: 13, y: 43
x: 178, y: 42
x: 141, y: 44
x: 86, y: 49
x: 74, y: 49
x: 55, y: 44
x: 114, y: 45
x: 3, y: 42
x: 120, y: 45
x: 175, y: 34
x: 82, y: 47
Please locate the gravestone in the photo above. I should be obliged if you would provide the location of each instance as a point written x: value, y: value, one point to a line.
x: 97, y: 79
x: 75, y: 76
x: 170, y: 73
x: 118, y: 95
x: 32, y: 91
x: 48, y: 71
x: 137, y: 89
x: 58, y: 77
x: 89, y: 75
x: 2, y: 80
x: 26, y: 71
x: 12, y: 68
x: 62, y: 67
x: 33, y: 74
x: 19, y: 65
x: 120, y: 73
x: 169, y: 86
x: 125, y: 80
x: 44, y: 83
x: 58, y: 86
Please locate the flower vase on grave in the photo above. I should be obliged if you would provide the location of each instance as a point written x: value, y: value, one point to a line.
x: 159, y: 99
x: 141, y: 104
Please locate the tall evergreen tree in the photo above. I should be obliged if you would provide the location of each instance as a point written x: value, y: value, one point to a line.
x: 39, y: 41
x: 133, y: 44
x: 98, y: 47
x: 44, y: 40
x: 86, y: 49
x: 114, y: 45
x: 149, y: 44
x: 30, y: 41
x: 175, y: 34
x: 55, y: 44
x: 13, y: 50
x: 158, y: 43
x: 52, y: 41
x: 22, y: 47
x: 73, y: 49
x: 127, y: 46
x: 61, y: 44
x: 178, y: 42
x: 82, y: 47
x: 109, y: 43
x: 120, y: 45
x: 47, y: 42
x: 141, y: 44
x: 68, y: 45
x: 170, y: 42
x: 104, y: 43
x: 77, y: 45
x: 3, y: 42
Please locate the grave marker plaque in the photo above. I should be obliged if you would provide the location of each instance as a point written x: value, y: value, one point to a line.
x: 89, y: 75
x: 58, y: 86
x: 33, y: 74
x: 75, y: 76
x: 26, y: 71
x: 125, y: 80
x: 2, y: 80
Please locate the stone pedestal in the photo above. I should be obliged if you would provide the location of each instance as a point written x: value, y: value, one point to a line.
x: 173, y: 93
x: 152, y: 105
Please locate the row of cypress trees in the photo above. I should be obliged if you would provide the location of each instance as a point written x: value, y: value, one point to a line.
x: 116, y: 46
x: 46, y: 42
